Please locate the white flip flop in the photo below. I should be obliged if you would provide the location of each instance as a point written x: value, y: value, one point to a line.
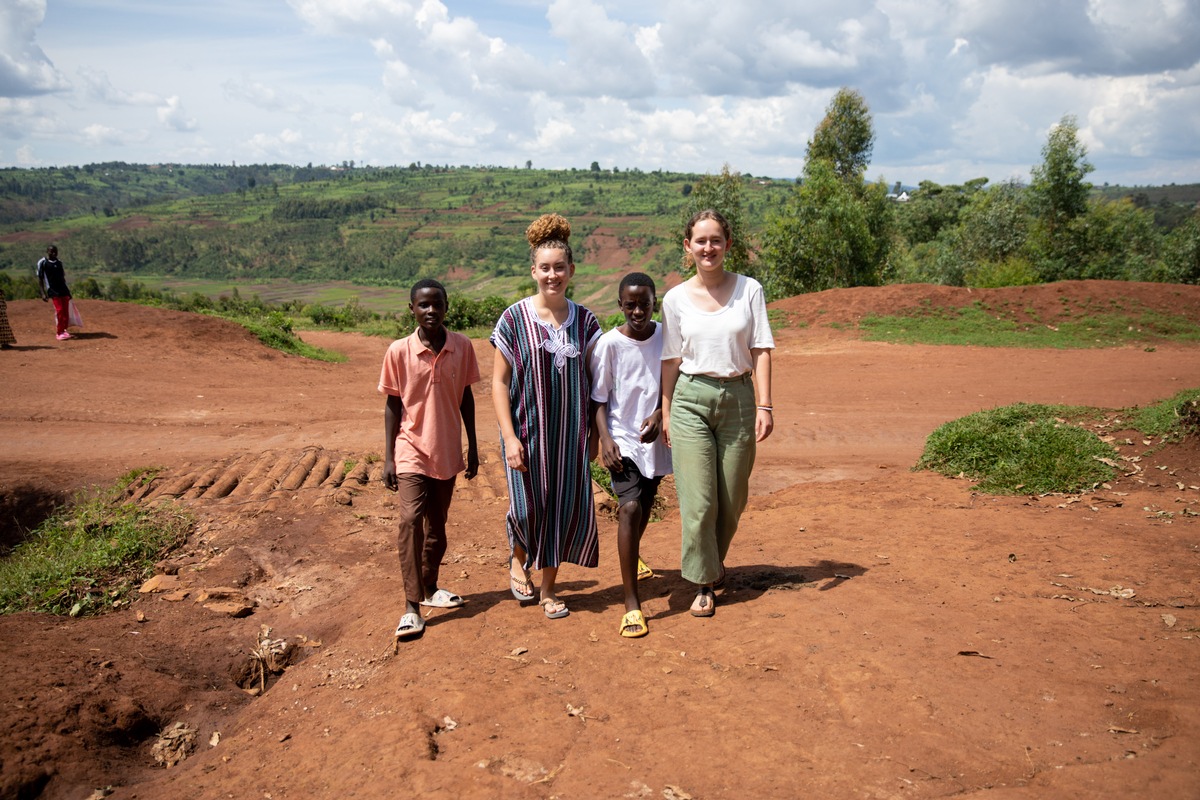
x: 443, y: 599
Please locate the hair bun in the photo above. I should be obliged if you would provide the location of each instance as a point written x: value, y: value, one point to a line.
x: 548, y: 228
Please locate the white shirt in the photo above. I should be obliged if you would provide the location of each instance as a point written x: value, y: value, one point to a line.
x: 627, y: 377
x: 717, y: 343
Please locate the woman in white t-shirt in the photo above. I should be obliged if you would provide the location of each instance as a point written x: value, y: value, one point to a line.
x: 716, y: 383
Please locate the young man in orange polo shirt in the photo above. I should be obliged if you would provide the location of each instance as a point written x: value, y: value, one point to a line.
x: 427, y: 378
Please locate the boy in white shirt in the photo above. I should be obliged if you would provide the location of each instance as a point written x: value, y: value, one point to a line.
x: 627, y: 396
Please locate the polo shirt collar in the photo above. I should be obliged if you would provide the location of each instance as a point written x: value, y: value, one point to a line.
x: 447, y: 347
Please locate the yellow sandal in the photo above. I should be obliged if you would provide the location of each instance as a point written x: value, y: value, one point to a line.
x: 635, y: 620
x: 643, y: 570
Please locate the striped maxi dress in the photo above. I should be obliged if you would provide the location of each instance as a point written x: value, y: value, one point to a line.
x: 6, y: 331
x: 550, y: 511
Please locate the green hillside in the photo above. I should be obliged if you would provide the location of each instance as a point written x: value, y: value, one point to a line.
x: 1171, y: 204
x: 328, y: 235
x: 195, y: 225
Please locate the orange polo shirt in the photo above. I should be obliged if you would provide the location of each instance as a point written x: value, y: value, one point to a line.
x: 430, y: 387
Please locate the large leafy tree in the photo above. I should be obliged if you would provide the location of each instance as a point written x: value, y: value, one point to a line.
x: 994, y: 224
x: 1059, y: 200
x: 833, y: 230
x: 1060, y: 190
x: 845, y: 136
x: 828, y: 235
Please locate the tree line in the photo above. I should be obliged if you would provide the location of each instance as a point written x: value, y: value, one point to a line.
x: 835, y: 229
x: 828, y: 228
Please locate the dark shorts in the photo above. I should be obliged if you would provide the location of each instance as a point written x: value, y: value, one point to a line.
x: 630, y: 485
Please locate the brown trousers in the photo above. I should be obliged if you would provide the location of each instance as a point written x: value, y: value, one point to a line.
x: 424, y: 504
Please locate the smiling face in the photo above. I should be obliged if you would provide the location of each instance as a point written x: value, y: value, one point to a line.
x: 638, y: 304
x: 552, y: 272
x: 429, y: 309
x: 707, y: 245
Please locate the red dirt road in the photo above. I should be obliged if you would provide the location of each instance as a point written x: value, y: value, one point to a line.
x: 883, y: 633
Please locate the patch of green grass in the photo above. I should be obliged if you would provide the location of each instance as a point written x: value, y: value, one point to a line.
x: 389, y: 329
x: 780, y: 319
x: 1021, y: 449
x: 1172, y: 418
x: 86, y: 558
x: 1114, y: 329
x: 975, y: 326
x: 478, y: 332
x: 614, y: 320
x: 381, y: 299
x: 600, y: 475
x: 275, y: 330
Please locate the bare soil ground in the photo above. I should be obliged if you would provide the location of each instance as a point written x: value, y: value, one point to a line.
x: 883, y: 634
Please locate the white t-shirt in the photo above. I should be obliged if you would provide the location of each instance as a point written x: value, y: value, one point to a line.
x: 716, y: 343
x: 627, y: 376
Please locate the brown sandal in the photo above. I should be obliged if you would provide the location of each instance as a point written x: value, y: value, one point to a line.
x: 522, y: 589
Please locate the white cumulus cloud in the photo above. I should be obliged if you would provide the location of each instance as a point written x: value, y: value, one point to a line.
x: 957, y: 88
x: 98, y: 87
x: 24, y: 69
x: 172, y: 115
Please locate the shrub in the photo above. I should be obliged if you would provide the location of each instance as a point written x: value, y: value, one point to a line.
x: 1014, y: 271
x: 86, y: 558
x: 1172, y: 418
x: 320, y: 314
x: 1022, y: 448
x: 1181, y: 263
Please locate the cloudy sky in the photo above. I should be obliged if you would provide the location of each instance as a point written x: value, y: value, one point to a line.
x: 958, y: 88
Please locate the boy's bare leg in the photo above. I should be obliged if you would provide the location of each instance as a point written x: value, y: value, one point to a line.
x: 631, y: 523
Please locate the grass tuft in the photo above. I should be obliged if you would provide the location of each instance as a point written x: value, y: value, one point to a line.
x: 1171, y: 419
x: 978, y: 326
x: 87, y: 557
x: 1021, y: 449
x: 600, y: 475
x: 275, y: 331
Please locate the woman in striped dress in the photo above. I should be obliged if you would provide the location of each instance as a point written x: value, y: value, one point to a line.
x: 7, y: 339
x: 540, y: 388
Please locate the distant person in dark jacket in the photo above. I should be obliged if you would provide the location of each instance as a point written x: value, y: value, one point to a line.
x: 52, y: 284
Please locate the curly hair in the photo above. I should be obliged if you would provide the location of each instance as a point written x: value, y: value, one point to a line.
x: 549, y: 230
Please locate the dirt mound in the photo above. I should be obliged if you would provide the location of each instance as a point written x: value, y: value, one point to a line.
x: 1045, y: 303
x: 882, y: 633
